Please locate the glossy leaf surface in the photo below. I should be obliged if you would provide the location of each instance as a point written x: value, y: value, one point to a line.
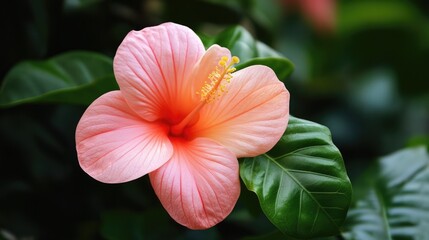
x: 250, y: 51
x: 302, y: 184
x: 391, y: 199
x: 73, y: 77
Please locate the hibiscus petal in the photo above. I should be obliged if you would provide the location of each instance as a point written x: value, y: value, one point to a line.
x: 199, y: 186
x: 115, y: 145
x: 251, y: 117
x: 152, y: 67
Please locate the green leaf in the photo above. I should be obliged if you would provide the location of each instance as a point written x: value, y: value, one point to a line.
x: 301, y: 184
x: 74, y: 77
x: 266, y: 14
x: 360, y: 15
x: 391, y: 199
x: 250, y: 51
x: 418, y: 141
x: 277, y: 64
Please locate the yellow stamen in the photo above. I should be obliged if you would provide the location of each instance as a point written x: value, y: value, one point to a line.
x: 210, y: 91
x: 235, y: 59
x: 218, y: 79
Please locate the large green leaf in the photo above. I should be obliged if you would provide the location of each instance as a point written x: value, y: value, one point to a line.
x: 250, y: 51
x: 277, y: 64
x: 302, y: 184
x: 392, y: 198
x: 74, y: 77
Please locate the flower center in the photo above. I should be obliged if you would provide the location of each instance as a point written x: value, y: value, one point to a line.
x: 212, y: 89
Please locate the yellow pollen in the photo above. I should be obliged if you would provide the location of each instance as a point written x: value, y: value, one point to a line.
x: 213, y: 88
x: 217, y: 80
x: 235, y: 59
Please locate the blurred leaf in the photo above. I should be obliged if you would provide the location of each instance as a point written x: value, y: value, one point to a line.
x: 234, y: 4
x: 73, y: 77
x: 240, y: 41
x: 38, y: 30
x: 78, y: 4
x: 250, y: 51
x: 266, y: 14
x: 302, y: 184
x: 208, y: 234
x: 277, y: 64
x: 358, y: 15
x: 375, y: 93
x: 391, y: 200
x: 418, y: 141
x: 201, y: 12
x: 276, y: 235
x: 123, y: 225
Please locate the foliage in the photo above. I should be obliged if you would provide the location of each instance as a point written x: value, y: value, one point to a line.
x: 366, y: 82
x: 59, y: 80
x: 391, y: 199
x: 301, y: 183
x: 251, y: 51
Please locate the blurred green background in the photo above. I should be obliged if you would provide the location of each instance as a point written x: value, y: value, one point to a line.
x: 361, y: 69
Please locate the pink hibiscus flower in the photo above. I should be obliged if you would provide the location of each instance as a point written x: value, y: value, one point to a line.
x: 183, y: 116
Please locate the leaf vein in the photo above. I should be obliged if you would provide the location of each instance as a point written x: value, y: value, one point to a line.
x: 302, y: 187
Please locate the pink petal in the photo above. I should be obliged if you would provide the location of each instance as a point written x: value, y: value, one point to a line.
x: 199, y: 186
x: 115, y: 145
x: 251, y: 117
x: 152, y: 67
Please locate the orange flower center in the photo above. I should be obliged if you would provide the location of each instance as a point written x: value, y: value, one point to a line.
x: 213, y: 88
